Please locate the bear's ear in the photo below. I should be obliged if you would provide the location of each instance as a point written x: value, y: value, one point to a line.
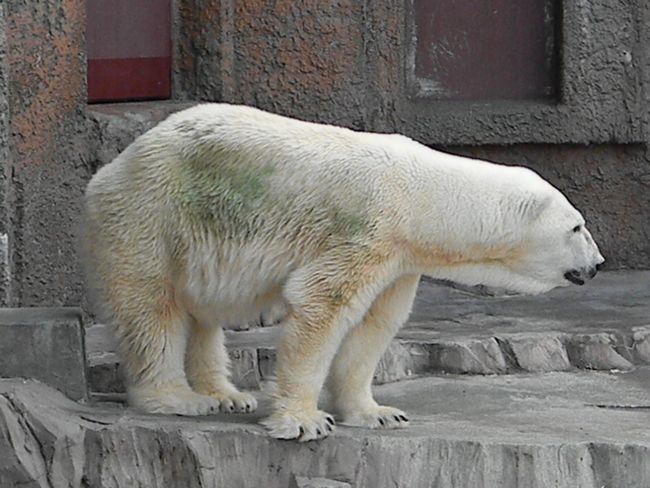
x: 533, y: 206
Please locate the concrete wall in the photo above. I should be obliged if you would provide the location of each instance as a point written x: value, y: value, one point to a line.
x: 343, y: 62
x: 4, y: 160
x: 46, y: 171
x: 351, y: 63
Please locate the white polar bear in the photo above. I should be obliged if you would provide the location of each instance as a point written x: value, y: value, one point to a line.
x: 222, y: 212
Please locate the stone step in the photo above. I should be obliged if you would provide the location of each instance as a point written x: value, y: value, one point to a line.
x: 561, y: 429
x: 602, y: 326
x: 503, y: 354
x: 45, y: 343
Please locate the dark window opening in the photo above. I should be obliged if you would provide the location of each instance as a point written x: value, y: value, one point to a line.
x: 485, y: 50
x: 129, y: 50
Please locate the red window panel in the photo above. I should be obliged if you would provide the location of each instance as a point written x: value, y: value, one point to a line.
x: 129, y: 50
x: 487, y: 49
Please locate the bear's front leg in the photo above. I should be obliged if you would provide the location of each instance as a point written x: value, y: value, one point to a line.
x: 350, y: 379
x: 306, y: 349
x: 326, y: 299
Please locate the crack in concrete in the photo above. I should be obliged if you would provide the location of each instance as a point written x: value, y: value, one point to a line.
x: 620, y: 407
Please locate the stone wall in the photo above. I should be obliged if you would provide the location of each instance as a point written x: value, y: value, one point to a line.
x: 351, y: 63
x: 47, y: 169
x: 4, y: 159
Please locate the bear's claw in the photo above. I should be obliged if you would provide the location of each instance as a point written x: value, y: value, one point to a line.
x: 301, y: 426
x: 377, y: 418
x: 236, y: 402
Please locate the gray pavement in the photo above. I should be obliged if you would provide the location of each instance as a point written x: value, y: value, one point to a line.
x: 615, y: 301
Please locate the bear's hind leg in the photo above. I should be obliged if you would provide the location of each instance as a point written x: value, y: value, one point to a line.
x: 350, y: 378
x: 152, y: 336
x: 208, y: 369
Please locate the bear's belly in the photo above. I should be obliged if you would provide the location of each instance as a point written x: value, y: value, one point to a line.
x: 240, y: 287
x: 266, y: 310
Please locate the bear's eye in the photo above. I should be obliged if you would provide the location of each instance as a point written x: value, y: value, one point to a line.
x: 577, y: 228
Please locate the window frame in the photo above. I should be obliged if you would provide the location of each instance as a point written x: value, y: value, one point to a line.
x: 597, y: 94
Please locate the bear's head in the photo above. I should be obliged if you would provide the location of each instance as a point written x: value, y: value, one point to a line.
x: 556, y: 249
x: 536, y: 241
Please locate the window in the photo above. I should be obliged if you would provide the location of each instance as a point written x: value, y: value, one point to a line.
x: 129, y: 50
x: 563, y: 72
x: 487, y: 49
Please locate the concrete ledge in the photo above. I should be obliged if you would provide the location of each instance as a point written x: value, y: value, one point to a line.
x: 116, y: 125
x: 46, y: 344
x: 564, y: 430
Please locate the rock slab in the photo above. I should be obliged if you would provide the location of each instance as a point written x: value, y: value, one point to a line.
x: 46, y: 344
x: 561, y: 430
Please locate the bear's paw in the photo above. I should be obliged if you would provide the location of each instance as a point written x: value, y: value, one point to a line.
x: 235, y: 401
x: 172, y: 400
x: 303, y: 426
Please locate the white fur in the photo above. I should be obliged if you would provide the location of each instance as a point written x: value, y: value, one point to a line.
x: 222, y: 214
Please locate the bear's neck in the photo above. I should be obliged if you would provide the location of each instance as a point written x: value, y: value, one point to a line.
x: 457, y: 212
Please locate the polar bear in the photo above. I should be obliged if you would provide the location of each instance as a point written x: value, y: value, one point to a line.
x: 222, y: 212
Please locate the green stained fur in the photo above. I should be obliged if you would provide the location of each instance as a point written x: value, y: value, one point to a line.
x: 226, y: 193
x: 348, y: 224
x: 222, y: 194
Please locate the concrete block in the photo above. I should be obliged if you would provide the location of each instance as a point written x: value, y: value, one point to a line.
x: 596, y: 351
x: 402, y: 360
x: 468, y: 356
x: 536, y: 353
x: 104, y: 374
x: 244, y: 370
x: 559, y: 430
x: 46, y: 344
x: 267, y: 361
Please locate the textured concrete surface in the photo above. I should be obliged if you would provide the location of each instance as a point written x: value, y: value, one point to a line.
x: 115, y: 125
x: 304, y: 482
x: 604, y: 325
x: 49, y: 152
x: 46, y: 344
x: 4, y: 159
x: 352, y: 63
x: 565, y: 430
x: 303, y: 59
